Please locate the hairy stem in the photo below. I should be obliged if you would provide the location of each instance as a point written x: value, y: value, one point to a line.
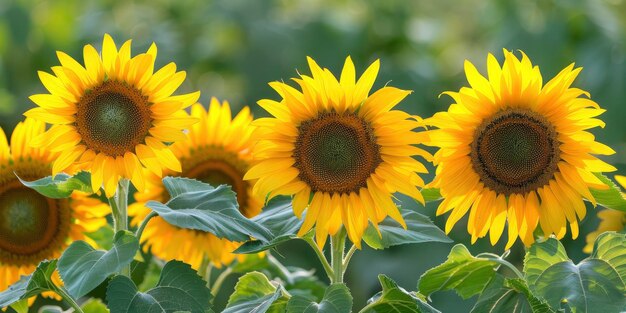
x: 67, y: 298
x: 337, y: 245
x: 143, y: 224
x: 220, y: 280
x: 119, y: 207
x: 346, y: 259
x: 320, y: 256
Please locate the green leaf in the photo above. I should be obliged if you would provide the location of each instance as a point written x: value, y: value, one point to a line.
x: 431, y: 194
x: 419, y: 229
x: 396, y: 299
x: 83, y: 268
x: 337, y: 299
x: 255, y: 293
x: 279, y: 219
x: 594, y: 285
x: 29, y: 286
x: 611, y: 198
x: 509, y: 295
x: 611, y: 247
x: 179, y: 289
x: 94, y: 306
x: 20, y: 306
x: 462, y: 272
x: 62, y: 185
x: 196, y: 205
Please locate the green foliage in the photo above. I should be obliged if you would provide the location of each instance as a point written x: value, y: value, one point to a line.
x: 196, y: 205
x: 431, y: 194
x: 419, y: 229
x: 94, y: 306
x: 593, y: 285
x: 337, y: 299
x: 462, y: 272
x: 279, y: 219
x: 179, y: 289
x: 61, y: 186
x: 612, y: 197
x: 83, y: 268
x: 255, y: 293
x: 395, y: 299
x: 31, y: 285
x: 20, y: 306
x: 509, y: 295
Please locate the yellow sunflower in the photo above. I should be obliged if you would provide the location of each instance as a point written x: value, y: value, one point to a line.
x: 610, y: 220
x: 339, y: 150
x: 34, y: 228
x: 515, y: 151
x: 217, y: 152
x: 113, y: 115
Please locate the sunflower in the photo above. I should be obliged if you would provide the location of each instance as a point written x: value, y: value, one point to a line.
x: 515, y: 151
x: 340, y: 151
x: 610, y: 220
x: 34, y: 228
x: 217, y: 152
x: 113, y: 115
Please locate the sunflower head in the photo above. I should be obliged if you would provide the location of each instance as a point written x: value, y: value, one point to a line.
x: 218, y: 152
x: 338, y: 150
x: 610, y: 220
x: 113, y: 115
x: 515, y: 151
x: 34, y: 228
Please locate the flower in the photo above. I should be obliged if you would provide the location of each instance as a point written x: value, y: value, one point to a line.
x: 217, y: 152
x: 34, y: 228
x: 610, y: 220
x: 114, y: 115
x: 514, y: 151
x: 340, y: 151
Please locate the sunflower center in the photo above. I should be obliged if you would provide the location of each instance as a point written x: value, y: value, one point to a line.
x: 515, y: 151
x: 215, y: 166
x: 31, y: 225
x: 336, y: 152
x: 113, y: 118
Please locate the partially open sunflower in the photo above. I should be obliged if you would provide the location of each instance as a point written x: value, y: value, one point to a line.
x: 34, y: 228
x: 113, y: 115
x: 218, y: 152
x: 339, y: 150
x: 515, y: 151
x: 610, y: 220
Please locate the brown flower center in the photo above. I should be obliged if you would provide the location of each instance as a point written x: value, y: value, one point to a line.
x: 515, y: 151
x: 336, y: 153
x: 32, y: 227
x: 113, y: 118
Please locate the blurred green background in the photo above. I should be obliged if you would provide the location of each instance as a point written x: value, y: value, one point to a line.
x: 232, y: 49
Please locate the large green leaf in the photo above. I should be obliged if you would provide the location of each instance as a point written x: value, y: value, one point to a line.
x: 61, y: 186
x: 612, y: 197
x: 255, y: 293
x: 611, y: 247
x: 509, y: 295
x: 83, y: 268
x: 337, y: 299
x: 431, y: 194
x: 593, y: 285
x: 196, y: 205
x: 419, y: 229
x: 279, y: 219
x: 179, y: 289
x: 462, y: 272
x: 394, y: 299
x: 29, y: 286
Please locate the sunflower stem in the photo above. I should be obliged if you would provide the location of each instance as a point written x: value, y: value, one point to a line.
x: 67, y: 298
x: 119, y: 207
x: 320, y: 255
x: 143, y: 225
x: 283, y: 271
x: 337, y: 246
x: 348, y: 257
x: 220, y: 280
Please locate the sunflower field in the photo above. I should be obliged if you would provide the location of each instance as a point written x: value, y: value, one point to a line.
x: 327, y: 156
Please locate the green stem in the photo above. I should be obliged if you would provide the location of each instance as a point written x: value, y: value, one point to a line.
x: 67, y: 298
x: 337, y: 245
x: 320, y: 256
x: 119, y: 207
x: 284, y: 272
x: 220, y: 280
x: 143, y: 224
x: 346, y: 259
x: 498, y: 259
